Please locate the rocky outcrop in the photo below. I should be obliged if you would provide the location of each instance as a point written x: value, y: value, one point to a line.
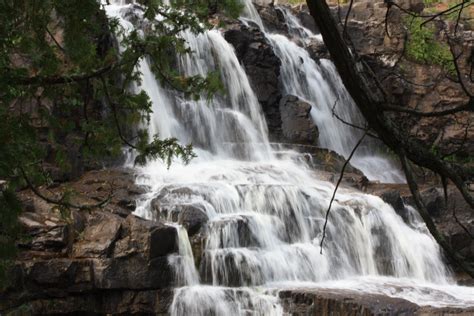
x: 100, y: 261
x: 325, y: 302
x: 296, y: 122
x: 262, y: 67
x: 414, y: 84
x: 272, y: 18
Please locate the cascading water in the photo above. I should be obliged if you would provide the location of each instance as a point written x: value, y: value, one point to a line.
x: 320, y: 85
x: 265, y: 214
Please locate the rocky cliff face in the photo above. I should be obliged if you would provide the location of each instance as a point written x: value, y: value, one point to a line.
x: 413, y: 83
x: 102, y: 261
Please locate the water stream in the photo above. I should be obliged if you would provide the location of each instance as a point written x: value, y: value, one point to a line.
x: 319, y: 84
x: 265, y: 213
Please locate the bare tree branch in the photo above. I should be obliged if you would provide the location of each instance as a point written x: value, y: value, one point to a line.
x: 341, y: 175
x: 469, y: 107
x: 62, y: 202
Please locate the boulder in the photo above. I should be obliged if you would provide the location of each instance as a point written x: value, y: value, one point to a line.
x: 317, y: 49
x: 297, y: 124
x: 192, y: 218
x: 393, y: 198
x: 307, y: 20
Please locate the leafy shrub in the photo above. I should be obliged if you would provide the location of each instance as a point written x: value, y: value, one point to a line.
x: 423, y: 46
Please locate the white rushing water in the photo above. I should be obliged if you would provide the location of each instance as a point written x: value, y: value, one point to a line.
x: 265, y: 214
x: 319, y: 84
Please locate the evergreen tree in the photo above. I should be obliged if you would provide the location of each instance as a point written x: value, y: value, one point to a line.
x: 61, y: 75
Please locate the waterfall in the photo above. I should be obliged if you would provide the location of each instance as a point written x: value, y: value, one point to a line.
x: 265, y: 213
x: 321, y: 86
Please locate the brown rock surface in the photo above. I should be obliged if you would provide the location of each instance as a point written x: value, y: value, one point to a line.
x: 328, y: 302
x: 297, y: 125
x: 99, y: 261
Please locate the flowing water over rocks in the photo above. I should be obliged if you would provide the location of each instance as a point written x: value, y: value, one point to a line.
x: 249, y: 223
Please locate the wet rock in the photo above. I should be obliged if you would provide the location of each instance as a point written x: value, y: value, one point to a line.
x: 229, y: 268
x: 297, y: 124
x: 307, y: 20
x: 234, y: 226
x: 457, y: 231
x: 151, y: 239
x: 322, y: 159
x: 326, y: 302
x: 192, y: 218
x: 55, y: 277
x: 382, y: 251
x: 262, y: 67
x: 317, y: 49
x: 198, y: 242
x: 133, y: 272
x: 163, y: 241
x: 393, y: 198
x: 272, y: 19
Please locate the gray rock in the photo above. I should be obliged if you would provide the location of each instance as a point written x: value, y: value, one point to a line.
x: 393, y: 198
x: 192, y: 218
x: 297, y: 125
x: 262, y: 67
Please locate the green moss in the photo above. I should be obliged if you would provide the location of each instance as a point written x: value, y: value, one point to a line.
x: 424, y: 47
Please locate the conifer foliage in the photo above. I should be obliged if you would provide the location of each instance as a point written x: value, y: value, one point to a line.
x: 64, y: 84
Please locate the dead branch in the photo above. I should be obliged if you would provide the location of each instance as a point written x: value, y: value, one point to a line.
x: 341, y: 175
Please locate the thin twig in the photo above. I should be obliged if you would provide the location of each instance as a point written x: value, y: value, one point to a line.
x: 449, y: 10
x: 348, y: 123
x: 347, y: 18
x: 459, y: 222
x: 337, y: 186
x: 468, y: 107
x: 66, y: 204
